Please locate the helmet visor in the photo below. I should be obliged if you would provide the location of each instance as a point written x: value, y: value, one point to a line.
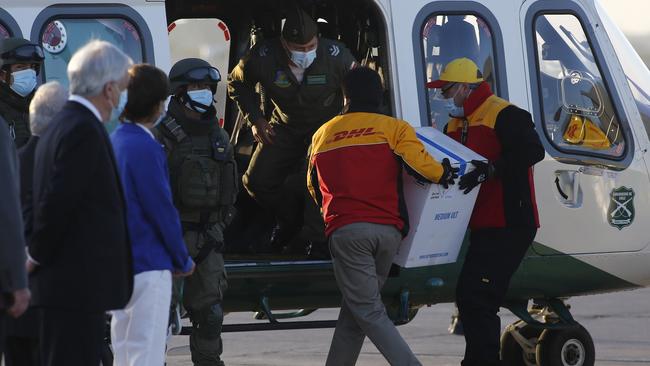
x: 209, y: 74
x: 27, y: 53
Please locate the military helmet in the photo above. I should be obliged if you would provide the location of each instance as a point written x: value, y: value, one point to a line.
x: 16, y: 50
x: 193, y: 70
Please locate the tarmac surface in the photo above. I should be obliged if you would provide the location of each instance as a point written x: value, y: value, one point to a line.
x: 619, y: 324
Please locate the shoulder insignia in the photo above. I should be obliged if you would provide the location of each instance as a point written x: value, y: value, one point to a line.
x: 174, y: 128
x: 334, y: 50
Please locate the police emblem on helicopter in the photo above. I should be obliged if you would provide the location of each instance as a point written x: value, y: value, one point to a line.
x: 621, y: 207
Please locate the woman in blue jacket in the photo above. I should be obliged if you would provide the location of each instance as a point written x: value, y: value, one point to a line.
x: 139, y: 331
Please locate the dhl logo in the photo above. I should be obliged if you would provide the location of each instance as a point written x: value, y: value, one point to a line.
x: 353, y: 133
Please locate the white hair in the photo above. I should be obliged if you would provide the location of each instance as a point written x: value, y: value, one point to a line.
x: 46, y: 103
x: 94, y: 65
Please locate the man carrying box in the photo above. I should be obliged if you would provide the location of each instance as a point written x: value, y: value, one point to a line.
x: 504, y: 221
x: 355, y: 173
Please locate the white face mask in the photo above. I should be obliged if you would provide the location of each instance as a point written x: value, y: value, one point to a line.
x: 24, y: 82
x: 303, y: 59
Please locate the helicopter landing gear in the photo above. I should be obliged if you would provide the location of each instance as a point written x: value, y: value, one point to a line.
x: 547, y: 336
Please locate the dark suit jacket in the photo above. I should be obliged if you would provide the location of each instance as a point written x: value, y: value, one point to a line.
x: 79, y: 236
x: 26, y: 165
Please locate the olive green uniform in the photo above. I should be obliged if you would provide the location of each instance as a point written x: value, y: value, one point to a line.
x: 202, y: 293
x: 14, y: 110
x: 300, y: 108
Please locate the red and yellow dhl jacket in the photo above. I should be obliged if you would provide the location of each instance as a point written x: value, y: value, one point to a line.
x: 355, y: 167
x: 505, y: 135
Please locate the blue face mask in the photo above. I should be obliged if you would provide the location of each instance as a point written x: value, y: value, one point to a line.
x: 303, y: 59
x: 119, y: 108
x: 203, y: 96
x: 454, y: 110
x: 24, y: 82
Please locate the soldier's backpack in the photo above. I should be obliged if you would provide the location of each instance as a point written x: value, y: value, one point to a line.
x: 203, y: 172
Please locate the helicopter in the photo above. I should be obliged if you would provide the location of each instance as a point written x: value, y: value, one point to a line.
x: 565, y: 61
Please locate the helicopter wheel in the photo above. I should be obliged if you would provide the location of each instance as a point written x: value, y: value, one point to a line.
x: 512, y: 353
x: 566, y: 347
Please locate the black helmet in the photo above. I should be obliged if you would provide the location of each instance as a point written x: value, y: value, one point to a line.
x: 193, y: 70
x: 16, y: 50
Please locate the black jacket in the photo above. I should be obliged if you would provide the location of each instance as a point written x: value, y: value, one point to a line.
x: 80, y: 235
x: 26, y: 167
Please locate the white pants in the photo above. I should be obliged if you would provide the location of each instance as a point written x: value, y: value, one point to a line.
x: 139, y: 331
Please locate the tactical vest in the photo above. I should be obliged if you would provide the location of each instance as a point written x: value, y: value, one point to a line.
x: 203, y: 173
x: 17, y: 122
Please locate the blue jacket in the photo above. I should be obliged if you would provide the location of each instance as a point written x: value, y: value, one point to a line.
x: 153, y: 222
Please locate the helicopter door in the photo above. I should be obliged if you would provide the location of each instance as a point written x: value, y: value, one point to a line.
x: 210, y: 41
x: 592, y: 186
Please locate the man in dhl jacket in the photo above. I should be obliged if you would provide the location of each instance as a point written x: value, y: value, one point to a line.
x: 504, y: 220
x: 355, y: 174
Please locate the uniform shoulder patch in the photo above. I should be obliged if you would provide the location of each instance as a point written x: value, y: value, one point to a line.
x: 334, y: 50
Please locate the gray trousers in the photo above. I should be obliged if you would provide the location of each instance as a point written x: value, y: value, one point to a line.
x: 362, y: 254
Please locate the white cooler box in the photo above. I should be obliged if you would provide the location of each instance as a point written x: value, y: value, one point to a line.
x: 438, y: 217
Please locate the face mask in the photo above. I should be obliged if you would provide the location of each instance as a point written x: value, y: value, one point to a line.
x: 303, y: 59
x: 452, y: 108
x: 119, y: 108
x: 203, y: 97
x: 24, y: 82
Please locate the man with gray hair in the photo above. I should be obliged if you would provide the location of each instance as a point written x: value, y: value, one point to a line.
x: 79, y: 252
x: 22, y: 333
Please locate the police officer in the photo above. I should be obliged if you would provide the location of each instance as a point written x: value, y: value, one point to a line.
x: 204, y: 187
x: 504, y: 220
x: 20, y: 63
x: 301, y: 75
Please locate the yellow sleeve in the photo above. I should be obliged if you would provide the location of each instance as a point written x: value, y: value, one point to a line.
x: 416, y: 159
x: 312, y: 177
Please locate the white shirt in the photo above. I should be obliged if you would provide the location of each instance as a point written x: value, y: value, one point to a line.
x: 86, y: 103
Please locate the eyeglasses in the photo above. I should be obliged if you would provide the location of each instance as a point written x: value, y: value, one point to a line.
x: 446, y: 88
x: 28, y: 52
x: 203, y: 74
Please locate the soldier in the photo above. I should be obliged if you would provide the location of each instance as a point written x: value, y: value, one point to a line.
x: 204, y: 186
x: 301, y: 76
x: 20, y: 63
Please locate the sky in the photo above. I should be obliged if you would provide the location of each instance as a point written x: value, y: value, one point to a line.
x: 630, y: 15
x: 633, y: 17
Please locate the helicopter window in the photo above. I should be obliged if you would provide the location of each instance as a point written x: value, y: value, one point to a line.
x: 578, y: 113
x: 60, y: 39
x: 636, y: 72
x: 448, y: 37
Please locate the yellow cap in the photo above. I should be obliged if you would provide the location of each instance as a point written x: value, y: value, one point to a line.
x: 460, y: 70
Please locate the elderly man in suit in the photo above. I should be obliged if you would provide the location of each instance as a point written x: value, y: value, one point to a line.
x: 13, y: 281
x: 79, y: 250
x: 22, y: 333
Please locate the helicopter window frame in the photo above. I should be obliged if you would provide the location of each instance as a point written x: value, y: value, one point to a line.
x: 100, y: 11
x: 575, y: 156
x: 9, y: 23
x: 450, y: 8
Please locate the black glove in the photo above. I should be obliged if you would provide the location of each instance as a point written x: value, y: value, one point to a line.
x: 480, y: 174
x: 449, y: 173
